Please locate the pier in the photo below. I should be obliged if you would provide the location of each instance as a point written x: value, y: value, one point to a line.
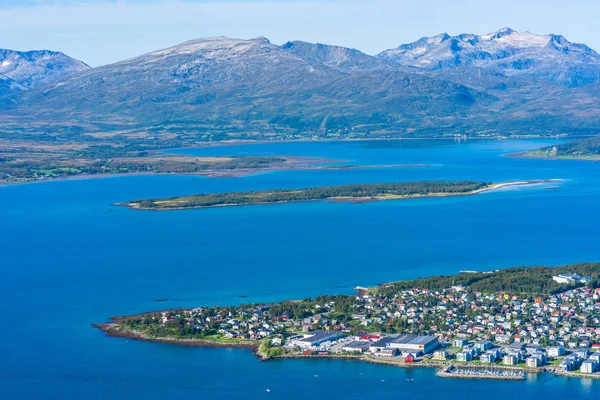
x: 471, y: 373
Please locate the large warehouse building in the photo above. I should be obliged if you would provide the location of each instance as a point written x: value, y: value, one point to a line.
x: 414, y: 344
x: 317, y: 338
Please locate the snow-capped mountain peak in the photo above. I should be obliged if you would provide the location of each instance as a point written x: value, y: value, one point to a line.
x: 504, y: 52
x: 31, y: 69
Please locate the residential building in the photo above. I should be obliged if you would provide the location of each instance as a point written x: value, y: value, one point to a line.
x: 589, y: 366
x: 556, y: 351
x: 464, y: 356
x: 483, y: 345
x: 487, y: 358
x: 510, y: 359
x: 533, y: 362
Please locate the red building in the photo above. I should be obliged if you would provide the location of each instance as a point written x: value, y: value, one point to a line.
x: 366, y: 337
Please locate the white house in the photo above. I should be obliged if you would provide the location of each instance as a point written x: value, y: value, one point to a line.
x: 556, y: 351
x: 589, y: 366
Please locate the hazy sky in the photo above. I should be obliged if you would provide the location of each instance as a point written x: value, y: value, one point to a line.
x: 103, y: 31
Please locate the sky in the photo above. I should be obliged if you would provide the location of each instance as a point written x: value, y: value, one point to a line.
x: 104, y: 31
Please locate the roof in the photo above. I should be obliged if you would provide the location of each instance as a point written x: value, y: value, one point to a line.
x: 318, y: 335
x: 356, y: 345
x: 370, y: 337
x: 412, y: 339
x: 383, y: 341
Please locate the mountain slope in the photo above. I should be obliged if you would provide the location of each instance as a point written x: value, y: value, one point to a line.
x: 32, y: 69
x: 504, y: 53
x: 335, y: 56
x: 222, y: 86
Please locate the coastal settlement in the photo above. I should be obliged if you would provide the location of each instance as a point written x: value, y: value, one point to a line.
x: 452, y: 323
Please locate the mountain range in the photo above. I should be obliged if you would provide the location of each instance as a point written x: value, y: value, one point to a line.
x: 506, y: 53
x: 500, y: 84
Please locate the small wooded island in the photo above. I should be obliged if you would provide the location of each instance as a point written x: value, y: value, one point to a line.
x: 478, y: 325
x: 349, y: 193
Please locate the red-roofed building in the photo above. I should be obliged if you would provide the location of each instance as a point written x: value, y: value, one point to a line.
x: 368, y: 337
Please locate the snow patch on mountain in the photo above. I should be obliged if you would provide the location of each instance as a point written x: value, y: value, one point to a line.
x: 505, y: 52
x: 34, y: 69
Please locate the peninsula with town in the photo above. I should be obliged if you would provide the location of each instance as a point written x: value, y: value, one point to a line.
x: 476, y: 325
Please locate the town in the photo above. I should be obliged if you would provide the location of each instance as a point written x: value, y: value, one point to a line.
x: 431, y: 327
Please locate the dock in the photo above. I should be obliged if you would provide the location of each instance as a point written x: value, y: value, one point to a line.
x: 472, y: 373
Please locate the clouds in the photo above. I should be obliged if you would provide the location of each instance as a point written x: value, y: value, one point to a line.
x: 105, y: 31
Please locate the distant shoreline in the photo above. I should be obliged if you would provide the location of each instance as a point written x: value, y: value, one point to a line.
x: 495, y: 186
x: 241, y: 142
x: 550, y: 157
x: 307, y: 164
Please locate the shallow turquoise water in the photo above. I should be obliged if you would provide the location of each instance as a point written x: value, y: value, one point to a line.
x: 69, y: 259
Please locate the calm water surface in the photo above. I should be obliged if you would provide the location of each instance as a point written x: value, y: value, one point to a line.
x: 69, y: 259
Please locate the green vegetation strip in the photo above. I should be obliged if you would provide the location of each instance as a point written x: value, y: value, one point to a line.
x: 584, y: 149
x: 380, y: 191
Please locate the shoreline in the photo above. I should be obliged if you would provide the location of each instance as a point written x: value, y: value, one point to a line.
x: 110, y: 329
x: 554, y: 158
x: 353, y: 200
x: 238, y: 142
x: 298, y: 164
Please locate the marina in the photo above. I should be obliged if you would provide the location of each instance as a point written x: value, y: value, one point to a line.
x: 487, y: 373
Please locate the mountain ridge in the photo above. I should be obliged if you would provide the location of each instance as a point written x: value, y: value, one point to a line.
x: 37, y: 68
x: 223, y: 88
x: 505, y: 52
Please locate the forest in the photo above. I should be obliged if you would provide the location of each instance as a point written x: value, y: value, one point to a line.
x: 583, y: 147
x: 518, y: 280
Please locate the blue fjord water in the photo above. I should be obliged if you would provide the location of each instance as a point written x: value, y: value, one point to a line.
x: 69, y: 259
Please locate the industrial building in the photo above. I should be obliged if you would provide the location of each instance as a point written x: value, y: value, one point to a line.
x: 414, y: 344
x: 318, y: 337
x: 381, y: 344
x: 356, y: 347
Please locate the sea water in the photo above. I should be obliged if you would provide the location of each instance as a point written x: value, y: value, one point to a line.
x: 69, y: 258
